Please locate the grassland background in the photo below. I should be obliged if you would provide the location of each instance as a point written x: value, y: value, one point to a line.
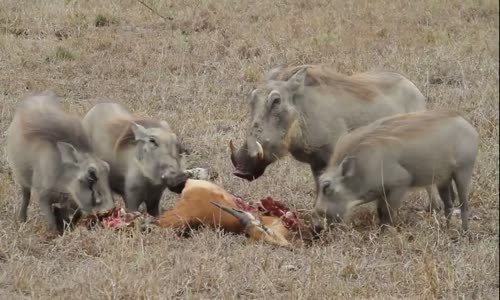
x: 194, y: 70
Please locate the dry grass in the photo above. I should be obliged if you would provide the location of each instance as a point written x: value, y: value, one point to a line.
x: 194, y: 71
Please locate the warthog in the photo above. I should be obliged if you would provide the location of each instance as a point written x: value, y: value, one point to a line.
x: 144, y: 155
x: 303, y: 110
x: 383, y: 160
x: 50, y: 154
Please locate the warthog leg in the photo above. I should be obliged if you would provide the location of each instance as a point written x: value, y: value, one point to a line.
x: 387, y: 207
x: 26, y: 194
x: 445, y: 191
x: 133, y: 195
x: 153, y: 203
x: 434, y: 204
x: 462, y: 180
x: 46, y: 209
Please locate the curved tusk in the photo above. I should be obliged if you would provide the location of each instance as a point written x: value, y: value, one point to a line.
x: 260, y: 153
x: 244, y: 218
x: 231, y: 146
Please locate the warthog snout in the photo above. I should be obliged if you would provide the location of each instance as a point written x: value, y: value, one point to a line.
x: 259, y: 155
x: 101, y: 201
x: 168, y: 175
x: 175, y: 181
x: 104, y: 204
x: 99, y: 210
x: 326, y: 212
x: 321, y: 221
x: 249, y: 161
x: 318, y: 221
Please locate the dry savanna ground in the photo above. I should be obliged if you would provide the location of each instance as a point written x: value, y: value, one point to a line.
x: 193, y: 68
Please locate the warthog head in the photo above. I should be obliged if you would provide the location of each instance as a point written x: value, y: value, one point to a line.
x: 338, y: 193
x: 273, y: 120
x: 86, y: 178
x: 158, y: 156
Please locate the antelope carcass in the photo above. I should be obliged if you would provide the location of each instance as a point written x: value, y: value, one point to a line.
x: 204, y: 203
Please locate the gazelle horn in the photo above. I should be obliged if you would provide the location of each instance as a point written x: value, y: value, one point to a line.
x: 244, y: 218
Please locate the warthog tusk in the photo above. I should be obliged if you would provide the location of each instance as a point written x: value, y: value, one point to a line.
x: 260, y: 153
x: 231, y: 146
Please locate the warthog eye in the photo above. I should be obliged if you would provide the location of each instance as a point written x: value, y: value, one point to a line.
x: 153, y: 141
x: 326, y: 187
x: 91, y: 176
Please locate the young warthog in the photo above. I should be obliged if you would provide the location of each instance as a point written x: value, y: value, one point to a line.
x: 305, y: 109
x: 49, y: 153
x: 381, y: 161
x: 144, y: 155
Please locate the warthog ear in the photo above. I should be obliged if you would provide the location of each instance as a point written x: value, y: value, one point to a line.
x: 274, y: 72
x: 69, y: 154
x: 140, y: 133
x: 165, y: 124
x: 297, y: 81
x: 348, y: 166
x: 106, y: 165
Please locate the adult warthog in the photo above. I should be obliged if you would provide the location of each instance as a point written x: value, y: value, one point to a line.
x: 144, y: 155
x: 50, y: 154
x: 303, y: 110
x: 383, y: 160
